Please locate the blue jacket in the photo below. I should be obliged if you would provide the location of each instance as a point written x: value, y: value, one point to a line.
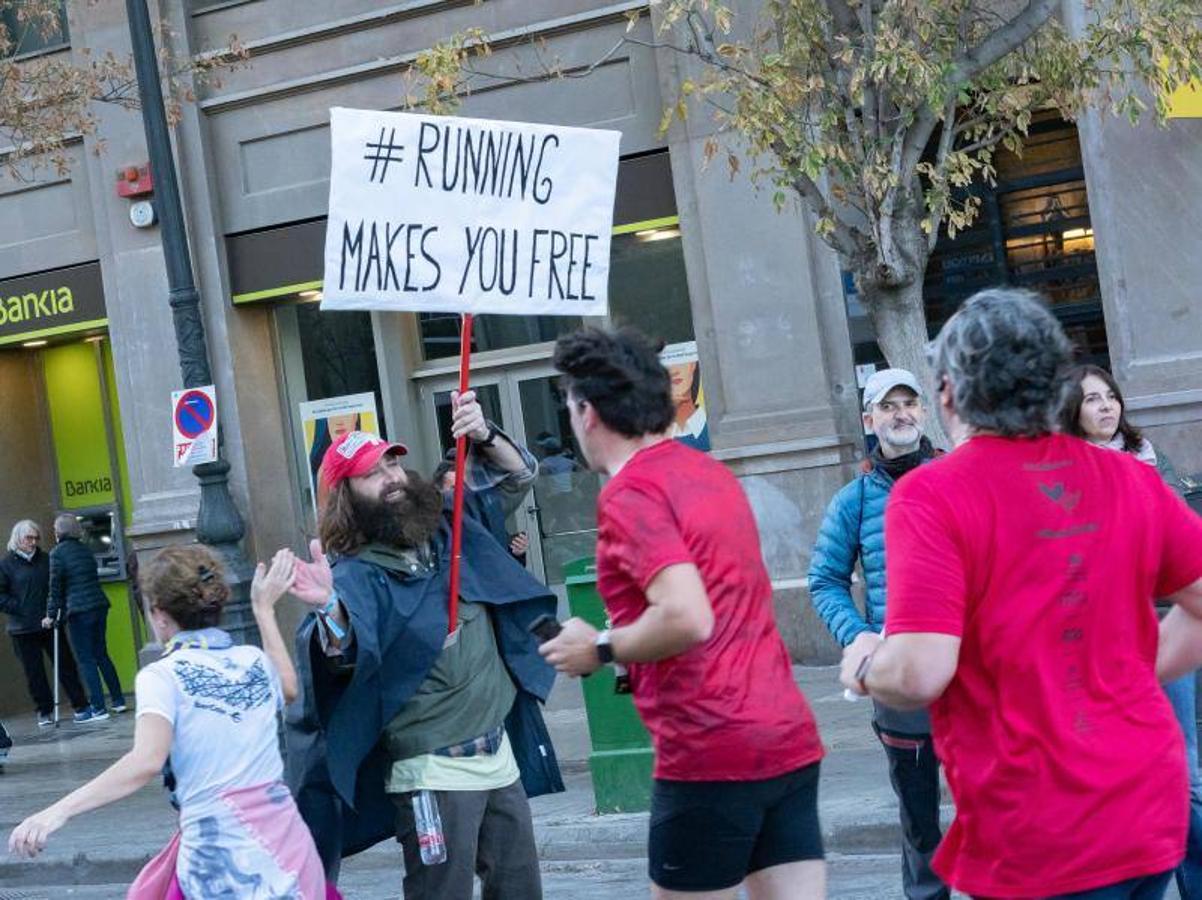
x: 336, y: 765
x: 853, y: 528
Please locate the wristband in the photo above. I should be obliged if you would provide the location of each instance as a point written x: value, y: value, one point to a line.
x: 326, y: 615
x: 862, y: 672
x: 331, y: 604
x: 491, y: 439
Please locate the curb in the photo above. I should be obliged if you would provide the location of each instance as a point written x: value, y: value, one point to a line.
x: 566, y: 843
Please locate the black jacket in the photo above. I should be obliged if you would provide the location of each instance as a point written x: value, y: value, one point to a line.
x: 24, y: 584
x: 74, y: 580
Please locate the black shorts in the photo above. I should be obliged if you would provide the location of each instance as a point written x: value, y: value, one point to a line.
x: 710, y: 835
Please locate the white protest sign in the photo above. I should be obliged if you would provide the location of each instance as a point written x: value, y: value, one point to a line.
x: 450, y: 214
x: 194, y: 426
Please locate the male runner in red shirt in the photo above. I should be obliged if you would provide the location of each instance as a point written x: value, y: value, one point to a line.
x: 680, y: 571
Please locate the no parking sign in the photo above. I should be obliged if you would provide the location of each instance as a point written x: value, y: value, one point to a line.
x: 194, y: 423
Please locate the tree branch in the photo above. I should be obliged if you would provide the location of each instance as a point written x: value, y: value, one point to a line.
x: 842, y: 238
x: 946, y: 138
x: 917, y: 136
x: 844, y: 18
x: 991, y: 141
x: 868, y: 29
x: 887, y: 252
x: 1004, y: 40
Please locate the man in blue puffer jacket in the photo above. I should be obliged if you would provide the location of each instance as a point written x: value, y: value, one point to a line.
x: 854, y: 528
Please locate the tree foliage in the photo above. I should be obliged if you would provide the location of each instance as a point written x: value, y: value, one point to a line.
x: 49, y: 90
x: 879, y: 114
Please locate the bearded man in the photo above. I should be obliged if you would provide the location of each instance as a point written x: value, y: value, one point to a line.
x: 399, y: 708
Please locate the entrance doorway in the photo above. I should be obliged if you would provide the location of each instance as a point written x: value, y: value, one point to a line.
x: 66, y: 444
x: 559, y: 515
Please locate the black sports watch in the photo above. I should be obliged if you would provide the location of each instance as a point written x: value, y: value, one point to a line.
x: 605, y: 650
x: 492, y: 436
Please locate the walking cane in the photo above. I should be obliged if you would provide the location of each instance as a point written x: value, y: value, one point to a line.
x: 55, y: 626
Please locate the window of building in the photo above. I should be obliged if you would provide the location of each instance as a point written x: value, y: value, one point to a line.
x: 440, y: 332
x: 34, y: 36
x: 323, y: 356
x: 647, y: 284
x: 1033, y: 230
x: 338, y: 351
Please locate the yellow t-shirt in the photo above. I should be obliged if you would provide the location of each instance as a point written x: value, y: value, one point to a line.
x: 429, y: 772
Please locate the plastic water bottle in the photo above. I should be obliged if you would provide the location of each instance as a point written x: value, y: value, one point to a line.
x: 430, y: 838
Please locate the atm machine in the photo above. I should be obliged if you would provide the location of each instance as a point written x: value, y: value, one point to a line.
x: 101, y: 527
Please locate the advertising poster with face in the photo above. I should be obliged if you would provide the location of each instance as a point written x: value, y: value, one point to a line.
x: 323, y: 421
x: 689, y: 426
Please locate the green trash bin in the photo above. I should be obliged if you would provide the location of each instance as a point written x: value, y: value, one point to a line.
x: 621, y: 757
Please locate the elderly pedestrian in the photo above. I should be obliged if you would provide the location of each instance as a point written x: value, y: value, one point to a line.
x: 75, y: 593
x: 24, y: 587
x: 852, y: 531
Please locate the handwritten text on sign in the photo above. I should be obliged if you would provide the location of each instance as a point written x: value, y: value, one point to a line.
x: 448, y: 214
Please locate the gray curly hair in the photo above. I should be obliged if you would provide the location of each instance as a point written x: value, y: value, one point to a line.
x: 1005, y: 356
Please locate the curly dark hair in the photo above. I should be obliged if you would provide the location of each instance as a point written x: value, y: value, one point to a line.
x: 1005, y: 355
x: 188, y: 583
x: 1070, y: 414
x: 620, y: 375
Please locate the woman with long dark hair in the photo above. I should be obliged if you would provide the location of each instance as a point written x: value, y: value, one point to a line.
x: 1094, y: 410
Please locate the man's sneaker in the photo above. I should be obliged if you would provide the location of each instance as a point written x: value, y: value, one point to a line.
x: 82, y: 715
x: 118, y: 708
x: 91, y: 715
x: 45, y: 720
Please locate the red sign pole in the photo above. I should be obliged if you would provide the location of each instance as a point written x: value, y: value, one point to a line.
x: 465, y: 355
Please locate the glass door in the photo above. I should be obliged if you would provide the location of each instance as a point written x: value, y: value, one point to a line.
x: 558, y: 516
x: 494, y: 393
x: 564, y: 499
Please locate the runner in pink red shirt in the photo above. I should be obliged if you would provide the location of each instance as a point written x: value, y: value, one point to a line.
x: 1022, y: 570
x: 690, y: 603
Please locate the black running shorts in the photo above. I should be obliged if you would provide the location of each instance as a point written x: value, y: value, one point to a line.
x: 710, y: 835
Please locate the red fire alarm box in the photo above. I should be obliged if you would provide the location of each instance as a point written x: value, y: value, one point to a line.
x: 134, y: 181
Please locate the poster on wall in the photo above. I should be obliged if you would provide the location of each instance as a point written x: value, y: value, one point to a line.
x: 688, y: 398
x: 452, y: 214
x: 323, y: 421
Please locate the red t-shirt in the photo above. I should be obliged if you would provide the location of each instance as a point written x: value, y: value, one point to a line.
x: 1044, y: 555
x: 727, y: 709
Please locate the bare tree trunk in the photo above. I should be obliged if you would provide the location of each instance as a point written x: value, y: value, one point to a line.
x: 900, y: 322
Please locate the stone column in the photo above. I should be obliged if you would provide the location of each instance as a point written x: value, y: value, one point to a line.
x: 1145, y: 201
x: 771, y: 327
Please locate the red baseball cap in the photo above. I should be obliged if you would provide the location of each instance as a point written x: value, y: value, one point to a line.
x: 353, y: 454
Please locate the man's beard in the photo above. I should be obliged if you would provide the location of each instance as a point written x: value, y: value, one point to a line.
x: 893, y: 437
x: 407, y: 522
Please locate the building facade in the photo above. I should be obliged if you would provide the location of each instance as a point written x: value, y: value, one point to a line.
x: 87, y: 365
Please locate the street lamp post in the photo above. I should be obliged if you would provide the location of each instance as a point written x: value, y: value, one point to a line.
x: 218, y: 522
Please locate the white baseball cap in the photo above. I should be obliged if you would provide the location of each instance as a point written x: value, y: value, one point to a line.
x: 881, y: 383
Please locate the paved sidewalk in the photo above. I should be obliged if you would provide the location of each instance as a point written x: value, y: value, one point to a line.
x: 109, y: 845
